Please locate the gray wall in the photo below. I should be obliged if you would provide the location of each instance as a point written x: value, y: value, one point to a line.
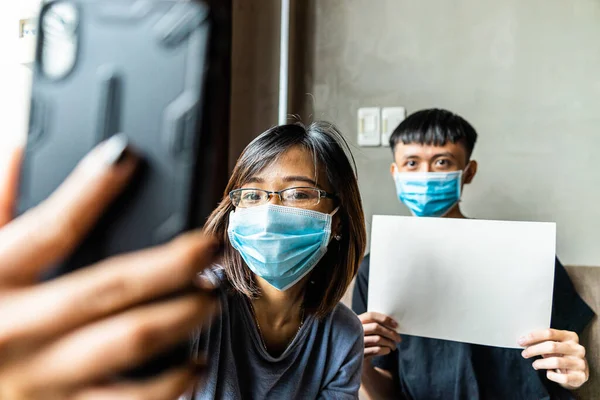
x: 525, y: 73
x: 255, y: 71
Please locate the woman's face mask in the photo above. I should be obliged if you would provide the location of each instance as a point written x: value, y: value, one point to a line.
x: 280, y: 244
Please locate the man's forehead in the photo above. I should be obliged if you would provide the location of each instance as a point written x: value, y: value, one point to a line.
x: 428, y: 151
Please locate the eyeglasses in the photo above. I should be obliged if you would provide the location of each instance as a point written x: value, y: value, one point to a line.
x: 300, y: 197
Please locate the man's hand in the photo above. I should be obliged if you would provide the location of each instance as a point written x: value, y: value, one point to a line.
x: 381, y: 337
x: 563, y: 356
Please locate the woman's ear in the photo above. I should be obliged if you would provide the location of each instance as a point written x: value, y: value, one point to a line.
x: 336, y: 227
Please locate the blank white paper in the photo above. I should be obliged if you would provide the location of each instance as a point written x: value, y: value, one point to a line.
x: 472, y: 281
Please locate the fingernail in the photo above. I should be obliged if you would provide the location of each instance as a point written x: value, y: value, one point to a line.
x: 394, y: 324
x: 206, y: 283
x: 524, y: 354
x: 522, y: 340
x: 116, y: 149
x: 534, y: 366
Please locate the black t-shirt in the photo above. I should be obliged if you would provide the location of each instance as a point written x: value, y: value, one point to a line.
x: 430, y: 369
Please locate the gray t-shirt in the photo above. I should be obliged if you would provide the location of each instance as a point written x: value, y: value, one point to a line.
x: 323, y: 361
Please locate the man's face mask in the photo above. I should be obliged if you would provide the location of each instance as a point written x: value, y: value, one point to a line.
x: 429, y: 194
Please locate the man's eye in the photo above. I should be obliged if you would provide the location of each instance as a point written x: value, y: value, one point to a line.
x: 411, y: 163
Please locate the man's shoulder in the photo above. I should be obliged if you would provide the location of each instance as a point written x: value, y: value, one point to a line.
x: 363, y: 270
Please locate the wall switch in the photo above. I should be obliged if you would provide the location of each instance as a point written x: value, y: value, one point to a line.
x: 391, y: 117
x: 28, y: 27
x: 369, y: 126
x: 25, y: 53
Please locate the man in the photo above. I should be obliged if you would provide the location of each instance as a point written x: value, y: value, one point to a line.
x: 432, y: 163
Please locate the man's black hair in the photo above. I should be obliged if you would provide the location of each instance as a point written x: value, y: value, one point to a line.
x: 435, y: 127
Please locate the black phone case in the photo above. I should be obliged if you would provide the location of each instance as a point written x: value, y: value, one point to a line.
x: 139, y: 70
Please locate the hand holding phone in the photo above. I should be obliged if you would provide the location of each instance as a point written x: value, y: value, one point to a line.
x: 132, y: 71
x: 67, y: 337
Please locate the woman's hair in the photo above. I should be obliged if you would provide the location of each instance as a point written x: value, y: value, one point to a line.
x: 333, y: 274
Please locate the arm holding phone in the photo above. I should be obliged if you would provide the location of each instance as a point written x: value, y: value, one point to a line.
x: 66, y: 338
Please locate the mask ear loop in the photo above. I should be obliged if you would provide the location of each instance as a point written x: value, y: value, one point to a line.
x: 337, y: 237
x: 335, y: 211
x: 462, y: 182
x: 396, y: 171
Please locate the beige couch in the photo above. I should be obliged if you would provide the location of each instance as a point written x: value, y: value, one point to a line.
x: 587, y: 283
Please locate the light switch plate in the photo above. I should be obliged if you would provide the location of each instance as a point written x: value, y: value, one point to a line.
x: 28, y: 27
x: 391, y: 117
x: 27, y: 40
x: 369, y: 126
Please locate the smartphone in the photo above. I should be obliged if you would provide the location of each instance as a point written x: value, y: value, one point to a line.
x: 138, y: 68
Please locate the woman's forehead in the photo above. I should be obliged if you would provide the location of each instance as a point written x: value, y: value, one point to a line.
x: 295, y: 162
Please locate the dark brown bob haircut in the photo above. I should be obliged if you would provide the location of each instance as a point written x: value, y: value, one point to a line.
x: 330, y: 279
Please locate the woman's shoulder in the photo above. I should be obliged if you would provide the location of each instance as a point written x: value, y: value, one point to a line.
x: 345, y: 322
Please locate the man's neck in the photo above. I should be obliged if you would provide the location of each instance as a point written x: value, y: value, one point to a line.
x: 455, y: 212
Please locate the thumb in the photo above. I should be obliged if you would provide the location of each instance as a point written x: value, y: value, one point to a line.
x: 9, y: 182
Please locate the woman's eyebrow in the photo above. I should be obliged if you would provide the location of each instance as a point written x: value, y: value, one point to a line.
x: 300, y: 178
x: 287, y: 179
x: 255, y: 179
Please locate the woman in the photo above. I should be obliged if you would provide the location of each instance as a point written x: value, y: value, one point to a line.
x: 293, y: 228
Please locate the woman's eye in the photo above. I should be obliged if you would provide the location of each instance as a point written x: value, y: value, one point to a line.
x: 252, y: 196
x: 298, y: 195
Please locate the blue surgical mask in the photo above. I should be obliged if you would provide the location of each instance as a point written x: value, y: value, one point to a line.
x: 280, y: 244
x: 429, y: 194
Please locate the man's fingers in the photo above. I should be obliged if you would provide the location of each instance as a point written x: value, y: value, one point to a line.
x: 9, y: 183
x: 382, y: 319
x: 374, y: 328
x: 553, y: 348
x: 167, y: 386
x: 569, y: 363
x: 119, y: 343
x: 376, y: 340
x: 573, y: 380
x: 51, y: 230
x: 380, y: 336
x: 111, y: 286
x: 545, y: 335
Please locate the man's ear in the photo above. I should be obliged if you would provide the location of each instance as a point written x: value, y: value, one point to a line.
x: 393, y: 169
x: 470, y: 172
